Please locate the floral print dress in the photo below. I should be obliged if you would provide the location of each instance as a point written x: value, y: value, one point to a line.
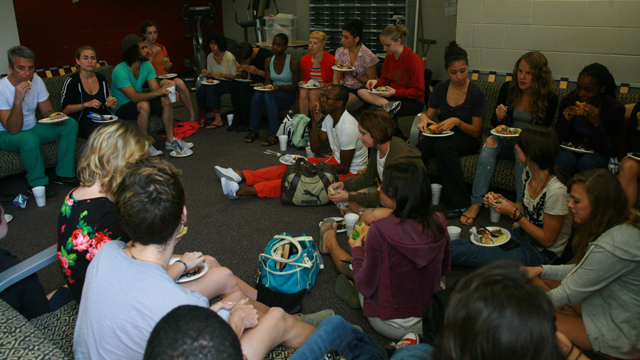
x: 83, y: 227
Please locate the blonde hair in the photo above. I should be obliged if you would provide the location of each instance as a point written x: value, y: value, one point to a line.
x: 318, y: 35
x: 109, y: 150
x: 395, y: 32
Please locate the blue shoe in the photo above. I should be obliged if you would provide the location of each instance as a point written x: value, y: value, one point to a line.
x: 455, y: 213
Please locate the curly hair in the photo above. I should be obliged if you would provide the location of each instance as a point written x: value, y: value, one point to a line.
x: 603, y: 77
x: 542, y: 84
x: 609, y: 207
x: 377, y: 122
x: 150, y: 201
x: 109, y: 149
x: 218, y: 39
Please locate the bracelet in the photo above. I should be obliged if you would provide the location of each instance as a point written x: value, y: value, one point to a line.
x: 460, y: 123
x: 573, y: 346
x: 185, y: 265
x: 519, y: 217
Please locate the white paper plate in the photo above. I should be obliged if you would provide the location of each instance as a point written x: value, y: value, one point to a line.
x: 581, y: 151
x: 305, y: 86
x: 475, y: 238
x: 345, y: 70
x: 244, y: 80
x: 444, y: 133
x: 259, y: 88
x: 338, y: 220
x: 185, y: 153
x: 186, y: 277
x: 213, y: 82
x: 47, y: 121
x: 8, y: 217
x: 493, y: 131
x: 633, y: 156
x: 108, y: 119
x: 378, y: 92
x: 167, y: 76
x: 290, y: 159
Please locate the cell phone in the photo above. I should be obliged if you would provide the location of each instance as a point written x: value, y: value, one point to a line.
x: 509, y: 245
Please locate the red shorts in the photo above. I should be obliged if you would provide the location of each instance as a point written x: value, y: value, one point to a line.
x: 267, y: 181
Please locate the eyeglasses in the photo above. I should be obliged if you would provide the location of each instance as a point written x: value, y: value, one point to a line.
x: 324, y: 97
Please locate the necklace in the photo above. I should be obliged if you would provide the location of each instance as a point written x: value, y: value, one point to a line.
x: 147, y: 261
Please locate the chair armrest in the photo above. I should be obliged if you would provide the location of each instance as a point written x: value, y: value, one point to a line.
x: 28, y: 267
x: 415, y: 133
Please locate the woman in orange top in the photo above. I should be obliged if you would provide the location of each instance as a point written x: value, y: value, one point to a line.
x: 158, y: 53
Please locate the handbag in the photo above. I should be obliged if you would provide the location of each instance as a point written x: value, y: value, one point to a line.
x: 304, y: 183
x: 296, y: 127
x: 291, y: 274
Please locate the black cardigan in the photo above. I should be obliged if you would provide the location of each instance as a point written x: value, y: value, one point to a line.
x: 552, y: 106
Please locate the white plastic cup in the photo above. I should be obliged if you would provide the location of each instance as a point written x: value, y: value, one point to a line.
x: 436, y: 190
x: 172, y: 94
x: 40, y: 194
x: 350, y: 221
x: 494, y: 216
x: 283, y: 142
x: 454, y: 232
x: 310, y: 153
x: 230, y: 119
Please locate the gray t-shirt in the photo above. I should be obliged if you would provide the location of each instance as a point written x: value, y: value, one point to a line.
x: 122, y: 300
x: 552, y: 200
x: 520, y: 120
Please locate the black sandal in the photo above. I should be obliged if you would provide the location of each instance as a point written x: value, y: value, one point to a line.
x: 273, y: 139
x: 251, y: 137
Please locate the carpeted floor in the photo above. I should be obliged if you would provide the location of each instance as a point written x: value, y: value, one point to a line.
x: 235, y: 232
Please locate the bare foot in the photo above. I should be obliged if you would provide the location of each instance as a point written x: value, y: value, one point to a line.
x: 469, y: 216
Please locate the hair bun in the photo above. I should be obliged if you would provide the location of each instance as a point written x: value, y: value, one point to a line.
x: 453, y: 49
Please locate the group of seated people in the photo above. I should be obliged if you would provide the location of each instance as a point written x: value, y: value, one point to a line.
x: 128, y: 211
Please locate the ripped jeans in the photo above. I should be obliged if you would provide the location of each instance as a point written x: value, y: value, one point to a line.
x: 505, y: 149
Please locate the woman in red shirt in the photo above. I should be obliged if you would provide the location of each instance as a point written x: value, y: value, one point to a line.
x: 315, y: 66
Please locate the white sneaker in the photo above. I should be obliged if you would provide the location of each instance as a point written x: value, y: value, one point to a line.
x: 229, y: 188
x: 153, y: 151
x: 409, y: 339
x: 228, y: 174
x: 183, y: 144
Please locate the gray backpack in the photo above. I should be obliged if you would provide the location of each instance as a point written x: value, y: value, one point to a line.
x: 304, y: 183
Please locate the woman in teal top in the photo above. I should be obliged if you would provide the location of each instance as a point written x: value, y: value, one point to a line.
x: 284, y: 72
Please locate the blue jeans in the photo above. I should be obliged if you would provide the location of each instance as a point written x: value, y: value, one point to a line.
x: 208, y: 96
x: 505, y: 149
x: 466, y: 253
x: 574, y: 163
x: 336, y: 333
x: 273, y: 101
x: 413, y: 352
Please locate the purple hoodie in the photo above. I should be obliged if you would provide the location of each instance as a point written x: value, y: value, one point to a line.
x: 402, y: 267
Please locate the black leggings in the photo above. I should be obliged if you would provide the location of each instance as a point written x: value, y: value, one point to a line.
x: 241, y: 95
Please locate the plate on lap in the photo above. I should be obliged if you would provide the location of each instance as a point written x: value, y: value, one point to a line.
x: 494, y: 132
x: 210, y: 82
x: 306, y: 86
x: 106, y: 119
x: 580, y: 151
x: 263, y: 88
x: 343, y: 68
x: 193, y: 274
x: 223, y: 79
x: 244, y: 80
x: 49, y: 121
x: 443, y: 134
x: 378, y: 91
x: 488, y: 241
x: 634, y: 155
x: 167, y: 76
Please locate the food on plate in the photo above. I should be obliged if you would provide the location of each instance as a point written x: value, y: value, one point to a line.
x: 332, y: 191
x: 570, y: 144
x: 494, y: 197
x: 505, y: 130
x: 486, y: 239
x: 57, y: 116
x: 165, y: 60
x: 265, y: 87
x: 341, y: 225
x: 344, y: 67
x: 360, y: 229
x: 209, y: 81
x: 433, y: 129
x: 382, y: 89
x: 110, y: 101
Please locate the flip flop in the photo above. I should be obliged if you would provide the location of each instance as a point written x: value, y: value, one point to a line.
x: 214, y: 126
x: 347, y: 292
x: 469, y: 221
x: 323, y: 231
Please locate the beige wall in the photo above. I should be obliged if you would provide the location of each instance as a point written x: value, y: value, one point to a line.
x: 572, y: 34
x: 440, y: 28
x: 300, y: 8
